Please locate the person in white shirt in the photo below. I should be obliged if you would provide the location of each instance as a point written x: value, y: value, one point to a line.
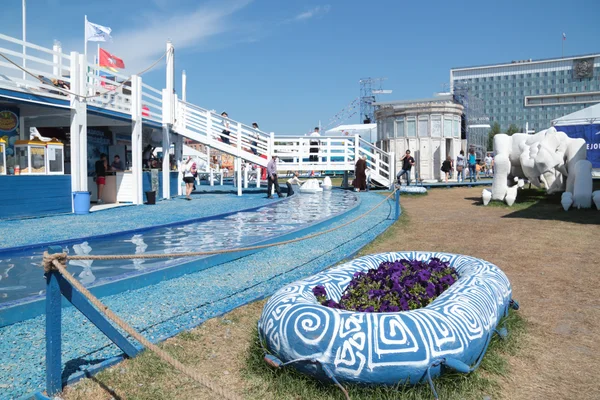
x: 314, y: 146
x: 293, y: 181
x: 189, y: 170
x: 488, y: 165
x: 226, y: 131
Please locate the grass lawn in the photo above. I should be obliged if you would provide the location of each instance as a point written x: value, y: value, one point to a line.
x: 549, y: 255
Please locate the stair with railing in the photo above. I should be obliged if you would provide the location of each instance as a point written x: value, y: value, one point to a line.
x: 49, y: 79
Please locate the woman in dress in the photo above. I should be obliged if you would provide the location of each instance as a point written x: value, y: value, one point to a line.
x: 447, y: 168
x: 360, y: 180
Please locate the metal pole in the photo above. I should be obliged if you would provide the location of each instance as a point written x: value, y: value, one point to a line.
x: 24, y: 39
x: 397, y: 201
x: 53, y: 329
x: 85, y: 38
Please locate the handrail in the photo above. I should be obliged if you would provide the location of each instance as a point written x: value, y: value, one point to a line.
x: 34, y: 46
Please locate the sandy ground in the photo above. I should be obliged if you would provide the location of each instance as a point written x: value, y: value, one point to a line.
x: 549, y: 255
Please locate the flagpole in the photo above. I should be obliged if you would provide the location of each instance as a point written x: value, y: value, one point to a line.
x: 24, y: 39
x: 85, y: 38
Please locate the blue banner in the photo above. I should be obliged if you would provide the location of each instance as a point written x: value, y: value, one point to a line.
x: 591, y: 134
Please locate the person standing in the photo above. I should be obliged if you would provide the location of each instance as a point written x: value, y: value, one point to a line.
x: 255, y: 137
x: 314, y: 146
x: 472, y: 166
x: 360, y: 179
x: 226, y: 132
x: 460, y: 166
x: 272, y: 178
x: 407, y: 163
x: 447, y: 168
x: 117, y: 164
x: 101, y: 166
x: 294, y: 180
x: 488, y: 165
x: 147, y: 156
x: 189, y: 170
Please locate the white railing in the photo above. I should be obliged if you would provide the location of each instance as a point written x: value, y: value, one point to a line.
x: 378, y: 161
x: 211, y: 129
x: 48, y: 70
x: 152, y: 103
x: 112, y: 93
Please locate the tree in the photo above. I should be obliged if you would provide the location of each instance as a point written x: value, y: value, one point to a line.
x: 512, y: 129
x: 493, y: 132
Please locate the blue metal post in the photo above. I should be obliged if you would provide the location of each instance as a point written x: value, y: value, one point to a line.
x: 53, y: 330
x: 397, y: 201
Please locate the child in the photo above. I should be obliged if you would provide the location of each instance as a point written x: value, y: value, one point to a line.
x: 293, y: 180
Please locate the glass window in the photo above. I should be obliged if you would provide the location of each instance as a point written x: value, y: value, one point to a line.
x: 456, y: 127
x: 423, y: 127
x: 400, y: 127
x: 388, y: 128
x: 447, y: 127
x: 436, y: 126
x: 411, y: 127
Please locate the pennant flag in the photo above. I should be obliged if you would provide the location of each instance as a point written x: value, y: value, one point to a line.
x: 97, y: 33
x: 564, y: 36
x: 109, y: 61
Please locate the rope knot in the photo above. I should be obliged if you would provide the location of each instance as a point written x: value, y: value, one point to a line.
x: 48, y: 261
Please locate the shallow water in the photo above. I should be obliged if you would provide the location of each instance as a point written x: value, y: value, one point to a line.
x: 21, y: 274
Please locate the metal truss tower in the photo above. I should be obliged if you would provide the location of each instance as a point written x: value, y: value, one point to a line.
x: 476, y: 124
x: 369, y: 87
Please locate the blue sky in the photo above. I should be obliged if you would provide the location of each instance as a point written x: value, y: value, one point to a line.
x: 287, y: 64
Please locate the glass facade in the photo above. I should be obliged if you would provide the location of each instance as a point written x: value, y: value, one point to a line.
x: 534, y: 92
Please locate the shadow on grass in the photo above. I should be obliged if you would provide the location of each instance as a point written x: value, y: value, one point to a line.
x: 536, y: 204
x: 287, y: 383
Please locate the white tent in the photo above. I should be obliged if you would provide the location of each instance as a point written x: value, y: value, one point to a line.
x: 367, y: 132
x: 589, y: 115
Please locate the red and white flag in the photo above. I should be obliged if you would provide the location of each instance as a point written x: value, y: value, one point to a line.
x: 109, y: 61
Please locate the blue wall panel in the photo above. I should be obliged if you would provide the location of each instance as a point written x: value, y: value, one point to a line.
x: 35, y: 195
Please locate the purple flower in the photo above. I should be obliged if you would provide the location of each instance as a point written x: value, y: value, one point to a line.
x: 369, y: 309
x: 319, y: 291
x: 424, y: 275
x: 430, y: 289
x: 331, y: 304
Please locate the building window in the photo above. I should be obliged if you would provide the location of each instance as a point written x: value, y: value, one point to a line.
x: 388, y: 128
x: 436, y: 126
x: 456, y: 127
x: 423, y: 127
x: 411, y: 127
x: 448, y: 127
x: 400, y: 127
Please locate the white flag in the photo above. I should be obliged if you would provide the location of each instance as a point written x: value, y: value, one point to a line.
x: 97, y: 33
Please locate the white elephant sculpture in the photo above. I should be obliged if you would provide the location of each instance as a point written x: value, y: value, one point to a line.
x: 547, y: 159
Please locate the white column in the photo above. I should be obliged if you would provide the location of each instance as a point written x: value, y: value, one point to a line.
x: 211, y: 176
x: 24, y: 6
x: 246, y: 176
x: 166, y: 172
x: 183, y: 86
x: 239, y: 176
x: 75, y: 109
x: 271, y: 146
x: 136, y: 139
x: 56, y: 59
x: 82, y: 117
x: 179, y: 161
x: 258, y: 173
x: 356, y: 148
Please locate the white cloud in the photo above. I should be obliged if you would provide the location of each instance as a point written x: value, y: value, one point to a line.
x: 314, y: 12
x: 141, y: 45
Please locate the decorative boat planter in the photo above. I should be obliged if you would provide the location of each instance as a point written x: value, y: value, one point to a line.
x: 391, y: 347
x: 412, y: 189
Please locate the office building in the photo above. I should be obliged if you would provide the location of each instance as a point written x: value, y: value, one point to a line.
x: 532, y: 92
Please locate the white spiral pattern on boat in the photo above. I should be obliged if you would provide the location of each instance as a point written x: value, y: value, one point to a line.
x: 386, y: 348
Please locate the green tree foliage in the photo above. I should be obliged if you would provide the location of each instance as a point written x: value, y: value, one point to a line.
x: 493, y: 132
x: 512, y: 129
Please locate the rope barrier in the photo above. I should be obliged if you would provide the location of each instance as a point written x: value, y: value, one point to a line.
x: 223, y: 251
x: 110, y: 91
x: 58, y: 262
x: 55, y: 262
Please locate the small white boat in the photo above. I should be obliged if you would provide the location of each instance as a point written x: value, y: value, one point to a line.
x: 311, y: 186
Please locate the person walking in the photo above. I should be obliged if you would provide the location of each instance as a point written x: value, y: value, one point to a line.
x: 255, y: 137
x: 447, y: 168
x: 226, y: 132
x: 101, y: 166
x: 407, y: 163
x: 460, y: 167
x: 272, y: 178
x: 294, y: 180
x: 360, y: 176
x: 472, y: 166
x: 189, y: 170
